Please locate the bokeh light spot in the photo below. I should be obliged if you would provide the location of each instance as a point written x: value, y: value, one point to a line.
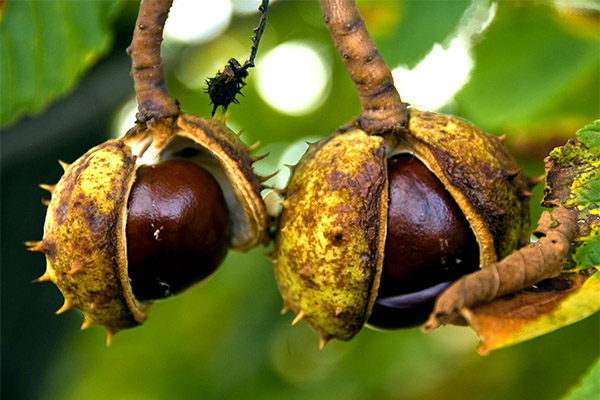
x: 245, y: 7
x: 435, y: 79
x: 439, y: 76
x: 293, y: 78
x: 196, y: 21
x: 124, y: 118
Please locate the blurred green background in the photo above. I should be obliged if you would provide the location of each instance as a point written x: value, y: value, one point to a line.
x: 526, y: 69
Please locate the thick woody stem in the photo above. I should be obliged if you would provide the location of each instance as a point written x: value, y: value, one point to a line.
x: 382, y: 109
x: 147, y: 69
x: 521, y: 269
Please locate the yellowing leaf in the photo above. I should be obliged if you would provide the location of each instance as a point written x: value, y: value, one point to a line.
x: 572, y: 180
x: 525, y: 315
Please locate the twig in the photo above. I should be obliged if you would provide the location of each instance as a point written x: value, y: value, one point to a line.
x: 521, y: 269
x: 258, y: 31
x: 382, y: 109
x: 147, y: 68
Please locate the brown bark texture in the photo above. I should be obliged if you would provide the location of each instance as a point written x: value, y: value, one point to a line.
x: 147, y: 68
x: 382, y: 108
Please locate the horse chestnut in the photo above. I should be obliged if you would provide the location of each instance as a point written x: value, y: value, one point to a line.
x: 429, y: 243
x: 177, y: 228
x: 356, y: 240
x: 148, y: 215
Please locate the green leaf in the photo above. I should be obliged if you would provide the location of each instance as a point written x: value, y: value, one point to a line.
x: 46, y: 47
x: 588, y: 253
x: 534, y: 72
x: 589, y: 387
x: 572, y: 180
x: 590, y: 136
x: 406, y: 31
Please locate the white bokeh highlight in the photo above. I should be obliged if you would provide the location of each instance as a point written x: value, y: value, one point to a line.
x: 245, y: 7
x: 197, y: 21
x: 293, y: 78
x: 124, y: 118
x: 433, y: 82
x: 436, y: 78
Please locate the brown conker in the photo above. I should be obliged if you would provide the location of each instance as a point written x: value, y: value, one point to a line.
x: 429, y: 243
x: 340, y: 262
x: 147, y: 215
x: 177, y: 228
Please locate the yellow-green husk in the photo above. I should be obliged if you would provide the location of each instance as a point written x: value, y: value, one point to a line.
x: 339, y: 189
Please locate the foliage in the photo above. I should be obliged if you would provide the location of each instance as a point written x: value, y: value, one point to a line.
x: 46, y: 47
x: 533, y: 78
x: 573, y: 178
x: 589, y: 385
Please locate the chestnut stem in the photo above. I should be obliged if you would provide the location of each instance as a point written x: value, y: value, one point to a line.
x: 521, y: 269
x: 382, y: 108
x: 258, y: 31
x: 147, y: 69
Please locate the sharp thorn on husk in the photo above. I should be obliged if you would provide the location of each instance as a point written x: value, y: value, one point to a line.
x: 67, y: 305
x: 36, y: 245
x: 511, y: 173
x: 258, y: 158
x: 44, y: 278
x: 64, y: 165
x: 254, y: 146
x: 322, y: 342
x: 502, y: 138
x: 285, y: 309
x: 534, y: 181
x: 525, y: 194
x: 49, y: 188
x: 86, y: 324
x: 109, y: 338
x: 267, y: 177
x: 298, y: 318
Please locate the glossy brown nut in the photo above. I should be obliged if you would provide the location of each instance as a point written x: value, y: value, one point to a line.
x: 85, y: 239
x: 429, y: 243
x: 429, y: 240
x: 177, y: 228
x: 331, y: 247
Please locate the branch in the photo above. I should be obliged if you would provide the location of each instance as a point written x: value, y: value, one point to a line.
x: 147, y: 69
x: 258, y: 31
x: 382, y: 108
x: 521, y: 269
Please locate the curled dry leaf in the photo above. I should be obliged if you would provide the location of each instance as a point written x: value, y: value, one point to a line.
x: 565, y: 261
